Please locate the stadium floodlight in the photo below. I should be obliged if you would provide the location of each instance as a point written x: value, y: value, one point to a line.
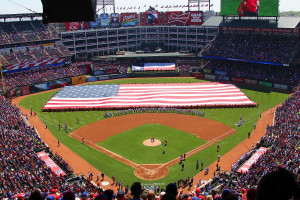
x: 103, y: 3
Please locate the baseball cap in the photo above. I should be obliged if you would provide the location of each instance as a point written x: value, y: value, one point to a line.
x: 198, y: 190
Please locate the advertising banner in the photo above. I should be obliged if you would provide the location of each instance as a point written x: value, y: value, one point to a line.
x: 211, y: 77
x: 246, y: 166
x: 239, y: 80
x: 177, y: 18
x: 60, y: 83
x: 128, y: 19
x: 207, y: 71
x: 280, y: 86
x: 117, y: 76
x: 198, y: 75
x: 100, y: 78
x: 250, y: 82
x: 39, y: 87
x: 151, y: 17
x: 100, y: 72
x: 91, y: 79
x: 104, y: 20
x: 115, y: 20
x: 73, y: 26
x: 195, y: 18
x: 50, y: 163
x: 78, y: 79
x: 25, y: 90
x: 217, y: 72
x: 111, y: 71
x: 265, y: 84
x: 226, y: 78
x: 95, y: 24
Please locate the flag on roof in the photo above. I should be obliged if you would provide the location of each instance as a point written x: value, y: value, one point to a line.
x: 147, y: 95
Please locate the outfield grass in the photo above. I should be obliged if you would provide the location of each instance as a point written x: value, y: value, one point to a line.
x: 129, y: 144
x: 111, y: 167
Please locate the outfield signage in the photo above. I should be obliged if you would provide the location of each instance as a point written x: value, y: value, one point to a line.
x: 280, y: 86
x: 78, y: 80
x: 239, y: 80
x: 151, y: 17
x: 91, y: 79
x: 207, y: 71
x: 194, y: 18
x: 95, y: 24
x: 111, y: 71
x: 100, y: 78
x: 128, y: 19
x: 100, y: 72
x: 253, y: 159
x: 198, y: 75
x: 265, y: 84
x: 115, y: 20
x: 59, y: 83
x: 211, y: 77
x: 217, y: 72
x: 118, y: 76
x: 104, y: 20
x: 250, y: 82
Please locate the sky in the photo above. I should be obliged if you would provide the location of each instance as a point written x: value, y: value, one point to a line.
x: 8, y: 7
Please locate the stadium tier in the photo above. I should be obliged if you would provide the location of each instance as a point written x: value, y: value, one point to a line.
x: 232, y: 76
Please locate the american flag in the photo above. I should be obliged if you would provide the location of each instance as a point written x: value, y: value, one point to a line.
x: 148, y: 95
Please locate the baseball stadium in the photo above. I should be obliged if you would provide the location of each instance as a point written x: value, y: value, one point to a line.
x: 159, y: 102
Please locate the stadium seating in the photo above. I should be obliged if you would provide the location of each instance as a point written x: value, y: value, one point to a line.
x: 266, y: 48
x: 25, y: 31
x: 47, y: 74
x: 19, y: 161
x: 278, y: 74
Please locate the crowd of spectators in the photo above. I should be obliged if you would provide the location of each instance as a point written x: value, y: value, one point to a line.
x: 272, y: 73
x: 25, y: 31
x: 105, y: 65
x: 282, y: 138
x: 23, y: 171
x: 35, y: 54
x: 19, y: 79
x: 267, y: 48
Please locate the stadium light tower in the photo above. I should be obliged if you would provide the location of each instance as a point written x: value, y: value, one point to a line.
x: 103, y: 3
x: 2, y: 77
x: 198, y: 2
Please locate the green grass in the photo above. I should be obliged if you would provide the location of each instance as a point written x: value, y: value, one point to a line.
x: 111, y: 167
x: 129, y: 144
x: 267, y: 7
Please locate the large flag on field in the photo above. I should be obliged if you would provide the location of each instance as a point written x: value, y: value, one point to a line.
x: 148, y: 95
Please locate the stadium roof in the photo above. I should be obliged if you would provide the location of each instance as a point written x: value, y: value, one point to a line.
x: 283, y: 22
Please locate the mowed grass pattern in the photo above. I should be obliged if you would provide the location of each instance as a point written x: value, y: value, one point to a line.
x: 129, y: 144
x: 110, y: 167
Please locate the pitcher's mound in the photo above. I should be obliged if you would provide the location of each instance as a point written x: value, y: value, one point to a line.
x: 152, y: 144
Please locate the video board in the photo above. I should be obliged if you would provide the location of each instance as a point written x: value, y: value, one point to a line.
x: 250, y: 7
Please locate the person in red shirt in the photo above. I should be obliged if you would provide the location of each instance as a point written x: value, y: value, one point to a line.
x: 249, y: 8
